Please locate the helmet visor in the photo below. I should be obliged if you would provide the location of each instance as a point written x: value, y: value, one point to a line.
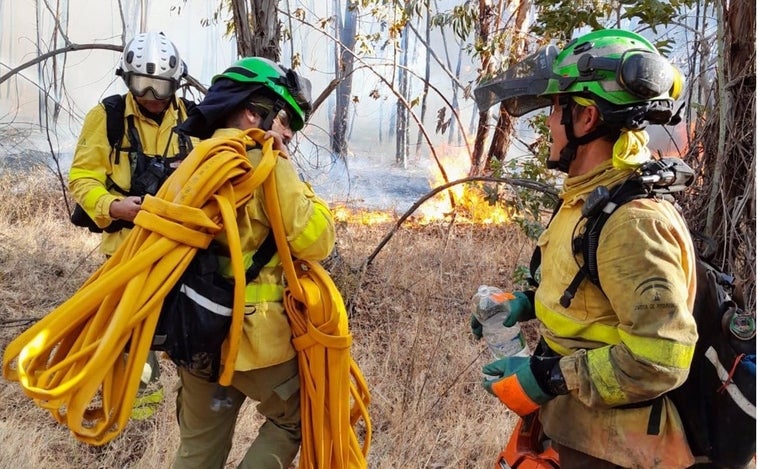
x: 519, y: 88
x: 140, y: 85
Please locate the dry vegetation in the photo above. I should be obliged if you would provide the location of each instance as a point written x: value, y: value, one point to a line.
x: 409, y: 318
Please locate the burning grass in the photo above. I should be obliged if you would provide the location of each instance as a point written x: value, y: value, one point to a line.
x: 409, y: 319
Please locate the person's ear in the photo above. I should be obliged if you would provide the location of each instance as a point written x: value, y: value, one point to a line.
x: 588, y: 119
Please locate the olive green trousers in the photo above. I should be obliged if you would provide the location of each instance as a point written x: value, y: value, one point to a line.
x: 206, y: 434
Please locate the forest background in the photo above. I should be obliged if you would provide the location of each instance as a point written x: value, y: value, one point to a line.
x: 394, y: 119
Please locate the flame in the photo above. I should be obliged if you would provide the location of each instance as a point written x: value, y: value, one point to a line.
x: 470, y: 204
x: 364, y: 217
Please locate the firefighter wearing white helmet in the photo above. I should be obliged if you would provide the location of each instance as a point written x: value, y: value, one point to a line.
x: 151, y: 67
x: 126, y: 148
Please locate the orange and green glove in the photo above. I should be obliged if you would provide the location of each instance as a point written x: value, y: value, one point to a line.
x: 521, y: 309
x: 524, y: 384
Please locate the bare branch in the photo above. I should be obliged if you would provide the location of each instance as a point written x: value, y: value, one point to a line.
x: 63, y: 50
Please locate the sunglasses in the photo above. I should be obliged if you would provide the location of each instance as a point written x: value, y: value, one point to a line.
x: 139, y: 85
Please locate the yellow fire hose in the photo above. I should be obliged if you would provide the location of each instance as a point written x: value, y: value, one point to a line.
x: 72, y: 362
x: 334, y: 393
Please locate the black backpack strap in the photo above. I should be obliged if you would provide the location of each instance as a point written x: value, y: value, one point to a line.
x: 133, y: 134
x: 261, y: 257
x: 185, y: 143
x: 597, y: 209
x: 114, y: 121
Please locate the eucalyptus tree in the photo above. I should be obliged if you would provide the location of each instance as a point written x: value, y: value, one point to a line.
x: 257, y: 28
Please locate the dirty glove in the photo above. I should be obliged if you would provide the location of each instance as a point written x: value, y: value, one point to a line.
x: 476, y: 327
x: 524, y: 383
x: 521, y: 308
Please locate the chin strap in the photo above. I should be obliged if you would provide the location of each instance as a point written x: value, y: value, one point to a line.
x: 568, y: 153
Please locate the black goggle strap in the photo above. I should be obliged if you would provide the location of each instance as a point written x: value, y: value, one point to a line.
x: 269, y: 120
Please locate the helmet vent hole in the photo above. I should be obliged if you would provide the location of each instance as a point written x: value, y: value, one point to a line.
x: 150, y: 68
x: 172, y: 61
x: 584, y: 47
x: 129, y: 57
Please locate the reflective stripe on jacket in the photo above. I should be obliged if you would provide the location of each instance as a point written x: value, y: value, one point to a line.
x: 627, y: 344
x: 309, y: 225
x: 94, y: 162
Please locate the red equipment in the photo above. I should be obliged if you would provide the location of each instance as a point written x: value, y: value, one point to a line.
x: 528, y: 447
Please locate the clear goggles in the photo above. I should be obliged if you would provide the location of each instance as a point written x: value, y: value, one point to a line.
x: 284, y: 118
x: 140, y: 85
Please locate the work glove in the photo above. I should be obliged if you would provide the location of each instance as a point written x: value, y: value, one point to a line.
x: 524, y: 384
x: 476, y: 327
x: 521, y: 309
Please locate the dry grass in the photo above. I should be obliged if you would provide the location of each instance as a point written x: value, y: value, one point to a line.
x: 409, y: 318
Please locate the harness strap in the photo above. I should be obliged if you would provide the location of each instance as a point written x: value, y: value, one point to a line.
x: 261, y: 257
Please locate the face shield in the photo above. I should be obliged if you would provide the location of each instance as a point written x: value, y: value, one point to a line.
x: 299, y: 88
x: 140, y: 85
x: 519, y: 87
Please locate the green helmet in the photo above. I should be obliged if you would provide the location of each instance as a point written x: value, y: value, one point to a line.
x: 281, y: 81
x: 622, y: 72
x: 618, y: 66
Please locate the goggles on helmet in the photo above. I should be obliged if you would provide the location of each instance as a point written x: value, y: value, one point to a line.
x: 140, y: 85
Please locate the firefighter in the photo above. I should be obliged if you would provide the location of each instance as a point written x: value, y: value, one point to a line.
x: 127, y: 147
x: 606, y: 357
x: 256, y: 93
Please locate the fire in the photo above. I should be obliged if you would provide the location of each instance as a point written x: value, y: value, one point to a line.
x: 364, y: 217
x: 469, y: 204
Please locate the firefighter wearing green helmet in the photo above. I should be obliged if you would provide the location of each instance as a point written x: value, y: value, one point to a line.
x: 256, y: 93
x: 606, y: 357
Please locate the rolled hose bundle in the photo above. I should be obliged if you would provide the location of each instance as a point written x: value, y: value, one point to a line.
x: 334, y: 394
x: 83, y: 361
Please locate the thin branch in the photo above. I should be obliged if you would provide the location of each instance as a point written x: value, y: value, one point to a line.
x: 63, y: 50
x: 529, y: 184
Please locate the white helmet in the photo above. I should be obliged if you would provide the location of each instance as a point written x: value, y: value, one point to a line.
x: 151, y: 63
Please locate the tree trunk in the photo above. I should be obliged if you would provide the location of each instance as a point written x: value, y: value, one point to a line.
x: 401, y: 138
x: 427, y: 74
x: 501, y: 140
x: 257, y: 28
x: 721, y: 203
x: 345, y: 25
x: 485, y: 25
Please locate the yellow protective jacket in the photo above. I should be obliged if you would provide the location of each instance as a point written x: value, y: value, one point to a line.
x: 308, y: 223
x: 626, y: 347
x: 94, y: 169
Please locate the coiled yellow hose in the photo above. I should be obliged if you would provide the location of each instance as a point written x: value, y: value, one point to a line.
x: 334, y: 394
x: 72, y: 362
